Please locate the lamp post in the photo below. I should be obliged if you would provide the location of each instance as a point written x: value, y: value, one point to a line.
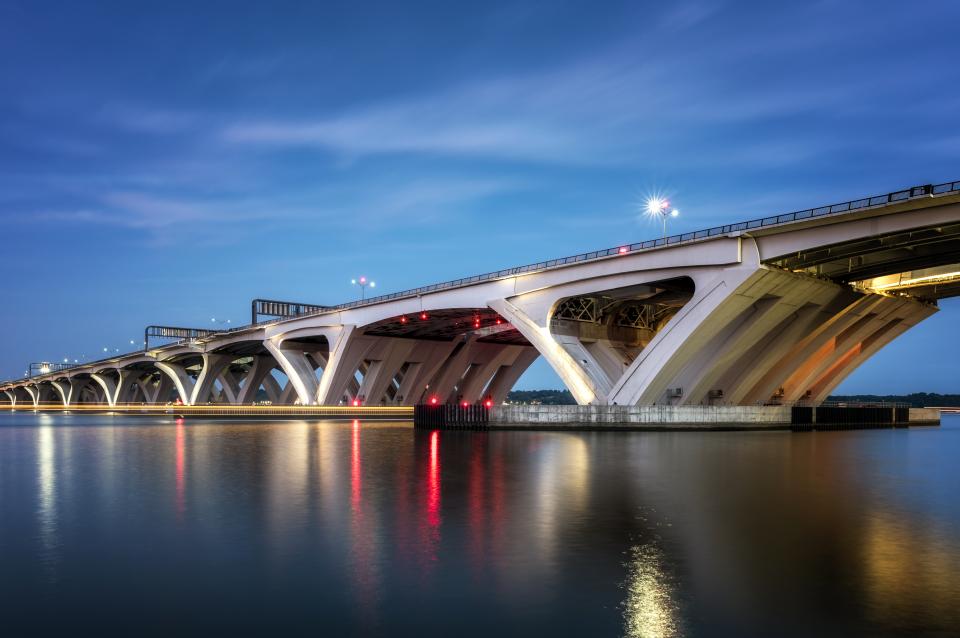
x: 363, y: 283
x: 660, y: 207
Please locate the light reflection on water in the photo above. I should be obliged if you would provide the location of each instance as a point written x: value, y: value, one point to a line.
x: 651, y: 609
x: 374, y: 528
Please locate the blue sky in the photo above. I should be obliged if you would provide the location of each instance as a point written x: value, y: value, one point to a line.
x: 168, y: 164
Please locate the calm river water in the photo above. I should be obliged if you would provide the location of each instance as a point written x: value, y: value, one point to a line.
x: 121, y: 526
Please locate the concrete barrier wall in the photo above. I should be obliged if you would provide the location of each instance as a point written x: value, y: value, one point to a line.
x: 652, y: 417
x: 924, y: 416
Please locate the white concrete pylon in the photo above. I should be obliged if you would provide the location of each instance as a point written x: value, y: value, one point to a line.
x: 825, y: 325
x: 584, y: 389
x: 425, y: 362
x: 63, y: 389
x: 259, y: 369
x: 382, y: 370
x: 108, y: 386
x: 779, y: 302
x: 880, y: 309
x: 297, y: 367
x: 506, y: 377
x: 909, y: 315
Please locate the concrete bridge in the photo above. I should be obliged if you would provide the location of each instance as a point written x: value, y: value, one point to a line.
x: 773, y: 310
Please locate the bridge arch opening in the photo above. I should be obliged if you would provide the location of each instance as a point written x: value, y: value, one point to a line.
x: 606, y: 330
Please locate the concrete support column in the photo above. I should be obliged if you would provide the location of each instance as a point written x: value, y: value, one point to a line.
x: 231, y: 388
x: 797, y: 385
x: 34, y: 393
x: 505, y: 378
x: 381, y: 371
x: 76, y: 389
x: 177, y: 375
x: 12, y: 396
x: 452, y: 371
x: 273, y: 389
x: 481, y: 373
x: 425, y: 362
x: 259, y: 369
x: 298, y: 369
x: 347, y: 351
x: 825, y: 326
x: 910, y: 315
x: 108, y: 386
x: 213, y: 365
x: 764, y: 315
x: 583, y: 387
x: 63, y: 389
x: 758, y: 360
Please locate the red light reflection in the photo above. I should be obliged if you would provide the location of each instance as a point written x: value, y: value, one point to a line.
x: 180, y: 451
x: 433, y: 481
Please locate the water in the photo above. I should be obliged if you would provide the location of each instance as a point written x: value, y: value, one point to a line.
x: 123, y: 526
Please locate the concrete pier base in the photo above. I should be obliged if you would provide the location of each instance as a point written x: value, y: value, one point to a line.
x: 672, y: 417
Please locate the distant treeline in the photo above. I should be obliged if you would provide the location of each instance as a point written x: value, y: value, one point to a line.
x: 545, y: 397
x: 917, y: 399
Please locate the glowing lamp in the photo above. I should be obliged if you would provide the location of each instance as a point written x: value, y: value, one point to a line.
x: 465, y: 404
x: 423, y: 316
x: 657, y: 205
x: 488, y: 403
x: 356, y: 402
x: 403, y: 319
x: 623, y: 250
x: 433, y: 400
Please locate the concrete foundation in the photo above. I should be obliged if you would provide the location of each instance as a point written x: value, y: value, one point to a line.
x: 659, y: 417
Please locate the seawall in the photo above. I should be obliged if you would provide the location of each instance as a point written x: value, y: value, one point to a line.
x: 694, y: 417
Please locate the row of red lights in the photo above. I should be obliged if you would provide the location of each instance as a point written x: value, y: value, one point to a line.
x: 487, y: 403
x: 424, y: 316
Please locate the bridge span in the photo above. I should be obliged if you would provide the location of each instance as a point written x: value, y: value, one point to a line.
x: 774, y: 310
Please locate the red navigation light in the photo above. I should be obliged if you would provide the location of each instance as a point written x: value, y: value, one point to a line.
x: 423, y: 316
x: 356, y: 403
x: 623, y: 250
x: 433, y: 400
x: 403, y: 319
x: 499, y: 322
x: 488, y: 403
x: 476, y: 324
x: 466, y: 404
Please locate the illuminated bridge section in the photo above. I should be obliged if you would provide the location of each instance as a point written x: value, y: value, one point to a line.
x: 779, y: 309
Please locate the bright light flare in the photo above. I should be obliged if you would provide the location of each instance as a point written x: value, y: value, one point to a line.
x: 657, y: 205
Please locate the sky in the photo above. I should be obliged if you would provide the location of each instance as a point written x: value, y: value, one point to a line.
x: 166, y: 164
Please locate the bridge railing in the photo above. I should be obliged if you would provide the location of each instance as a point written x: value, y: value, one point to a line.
x: 926, y: 190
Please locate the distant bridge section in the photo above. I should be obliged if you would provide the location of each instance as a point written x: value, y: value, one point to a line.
x: 776, y: 310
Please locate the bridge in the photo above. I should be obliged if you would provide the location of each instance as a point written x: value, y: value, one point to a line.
x: 773, y: 310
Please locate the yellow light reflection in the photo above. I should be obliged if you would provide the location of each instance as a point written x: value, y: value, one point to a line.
x: 649, y: 610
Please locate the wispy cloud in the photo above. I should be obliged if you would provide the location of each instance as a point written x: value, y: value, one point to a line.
x: 148, y: 119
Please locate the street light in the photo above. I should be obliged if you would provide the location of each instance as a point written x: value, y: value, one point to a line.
x: 214, y: 320
x: 363, y: 283
x: 660, y: 207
